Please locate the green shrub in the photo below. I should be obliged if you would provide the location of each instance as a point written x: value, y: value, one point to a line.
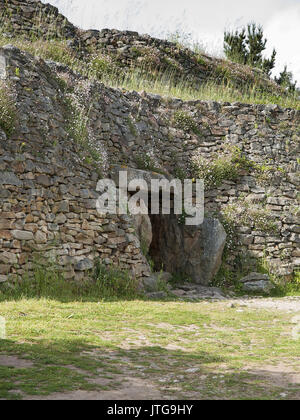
x: 180, y: 173
x: 226, y: 167
x: 215, y: 172
x: 200, y: 60
x: 245, y: 214
x: 185, y: 122
x: 146, y: 163
x: 293, y: 287
x: 101, y: 67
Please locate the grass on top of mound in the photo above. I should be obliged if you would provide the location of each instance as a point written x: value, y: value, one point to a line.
x: 102, y: 68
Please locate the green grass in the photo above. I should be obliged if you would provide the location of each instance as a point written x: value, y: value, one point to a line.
x: 188, y: 350
x: 229, y: 275
x: 84, y: 336
x: 47, y: 282
x: 291, y: 288
x: 7, y: 110
x: 98, y: 66
x: 165, y: 85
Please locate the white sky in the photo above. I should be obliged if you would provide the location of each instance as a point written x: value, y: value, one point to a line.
x: 205, y: 20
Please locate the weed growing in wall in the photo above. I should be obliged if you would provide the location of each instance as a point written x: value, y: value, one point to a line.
x: 7, y: 110
x: 261, y: 219
x: 225, y: 167
x: 245, y: 214
x: 232, y: 240
x: 93, y: 152
x: 229, y: 275
x: 266, y: 172
x: 132, y: 127
x: 213, y: 173
x: 147, y: 163
x: 185, y: 122
x: 180, y: 173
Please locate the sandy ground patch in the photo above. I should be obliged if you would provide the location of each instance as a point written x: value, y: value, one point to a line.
x: 15, y: 362
x: 133, y: 389
x: 288, y: 304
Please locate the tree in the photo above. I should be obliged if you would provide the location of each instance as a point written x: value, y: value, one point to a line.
x: 285, y: 80
x: 246, y: 46
x: 235, y: 46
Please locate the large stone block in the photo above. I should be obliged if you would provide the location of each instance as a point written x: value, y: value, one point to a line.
x: 195, y: 251
x: 257, y: 282
x: 143, y: 229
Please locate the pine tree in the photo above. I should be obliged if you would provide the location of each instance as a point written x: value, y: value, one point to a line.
x: 235, y: 46
x: 246, y: 47
x: 285, y: 80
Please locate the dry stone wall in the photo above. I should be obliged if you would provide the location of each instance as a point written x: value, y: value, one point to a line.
x: 33, y: 19
x: 262, y: 202
x: 47, y: 193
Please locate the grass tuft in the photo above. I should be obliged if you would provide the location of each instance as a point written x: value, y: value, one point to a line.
x: 48, y: 282
x: 7, y: 110
x: 164, y: 83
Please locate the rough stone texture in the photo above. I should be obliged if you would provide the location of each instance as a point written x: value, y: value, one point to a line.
x: 31, y: 17
x: 143, y: 230
x: 134, y: 174
x: 253, y: 277
x: 194, y: 292
x: 258, y: 286
x: 49, y: 192
x: 257, y: 282
x: 3, y: 278
x: 195, y: 251
x: 214, y: 237
x: 9, y: 178
x: 156, y: 281
x: 84, y: 265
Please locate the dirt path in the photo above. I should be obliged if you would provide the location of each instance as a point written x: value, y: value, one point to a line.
x: 170, y: 370
x: 132, y: 389
x: 287, y: 304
